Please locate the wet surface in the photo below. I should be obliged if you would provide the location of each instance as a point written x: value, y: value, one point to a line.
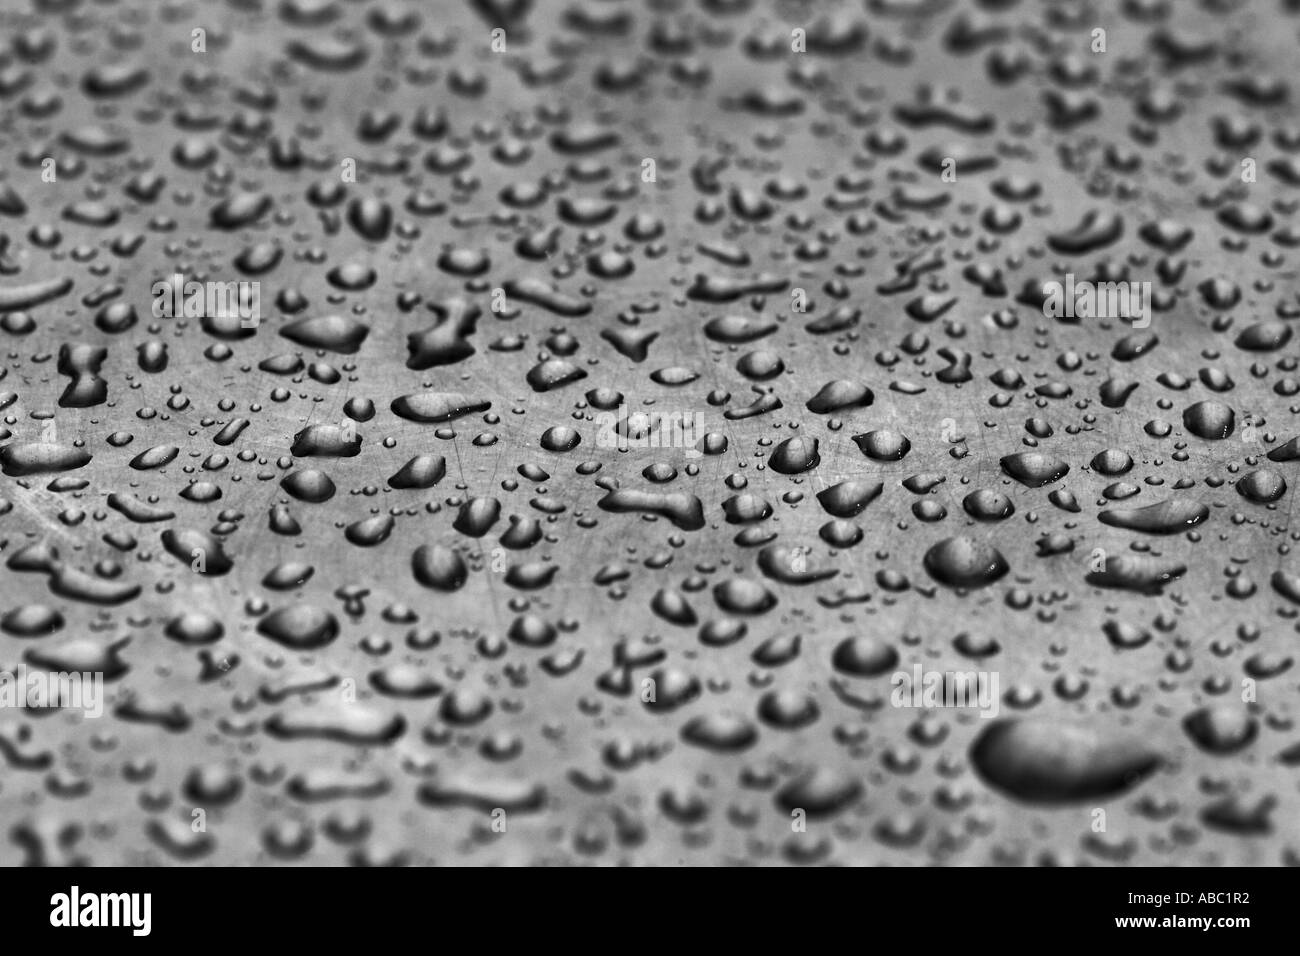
x: 644, y: 402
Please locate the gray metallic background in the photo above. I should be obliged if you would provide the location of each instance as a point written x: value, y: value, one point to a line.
x: 382, y: 707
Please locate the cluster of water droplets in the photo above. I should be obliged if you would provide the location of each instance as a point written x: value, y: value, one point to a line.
x: 404, y: 569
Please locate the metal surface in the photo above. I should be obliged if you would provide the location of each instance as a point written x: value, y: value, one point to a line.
x: 565, y: 647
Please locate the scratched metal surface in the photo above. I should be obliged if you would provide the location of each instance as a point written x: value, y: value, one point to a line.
x: 542, y: 652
